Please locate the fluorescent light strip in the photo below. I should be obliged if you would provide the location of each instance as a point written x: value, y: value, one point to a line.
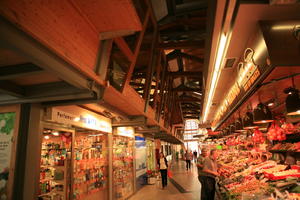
x: 215, y: 75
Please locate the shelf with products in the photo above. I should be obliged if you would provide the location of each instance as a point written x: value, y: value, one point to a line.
x: 54, y: 163
x: 123, y: 166
x: 90, y: 164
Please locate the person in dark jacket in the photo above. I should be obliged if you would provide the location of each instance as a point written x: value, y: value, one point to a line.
x: 163, y: 167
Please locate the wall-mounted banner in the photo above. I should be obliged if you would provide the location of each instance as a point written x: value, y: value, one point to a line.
x: 7, y: 122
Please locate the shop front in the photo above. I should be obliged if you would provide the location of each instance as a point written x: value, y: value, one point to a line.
x: 74, y: 154
x: 123, y: 162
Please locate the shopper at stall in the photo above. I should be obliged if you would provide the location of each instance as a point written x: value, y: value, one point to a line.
x: 210, y: 172
x: 200, y: 163
x: 163, y: 167
x: 188, y: 158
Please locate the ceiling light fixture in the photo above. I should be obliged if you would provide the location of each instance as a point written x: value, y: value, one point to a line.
x: 215, y: 74
x: 55, y: 133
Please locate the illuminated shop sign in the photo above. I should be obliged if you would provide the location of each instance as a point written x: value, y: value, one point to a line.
x: 248, y: 74
x: 125, y: 131
x: 85, y: 119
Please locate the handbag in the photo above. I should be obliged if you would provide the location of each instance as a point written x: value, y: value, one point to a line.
x: 170, y: 174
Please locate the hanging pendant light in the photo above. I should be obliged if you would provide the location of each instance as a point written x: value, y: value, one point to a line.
x: 239, y: 125
x: 248, y: 121
x: 262, y: 114
x: 292, y: 101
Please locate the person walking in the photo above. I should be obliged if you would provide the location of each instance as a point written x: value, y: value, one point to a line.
x: 195, y: 155
x: 188, y: 158
x: 209, y: 173
x: 163, y: 167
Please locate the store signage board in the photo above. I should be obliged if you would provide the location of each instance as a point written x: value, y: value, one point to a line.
x: 125, y: 131
x: 78, y: 117
x: 248, y: 73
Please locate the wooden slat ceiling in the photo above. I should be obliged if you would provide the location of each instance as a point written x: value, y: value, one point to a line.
x: 182, y: 32
x: 72, y: 28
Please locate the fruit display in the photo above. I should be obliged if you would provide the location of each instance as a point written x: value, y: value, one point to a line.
x: 258, y: 137
x: 289, y: 128
x: 276, y: 133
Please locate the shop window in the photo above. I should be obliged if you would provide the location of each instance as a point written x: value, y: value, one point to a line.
x: 118, y: 67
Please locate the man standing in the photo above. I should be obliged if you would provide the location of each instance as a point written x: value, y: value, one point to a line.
x: 210, y: 172
x: 188, y: 158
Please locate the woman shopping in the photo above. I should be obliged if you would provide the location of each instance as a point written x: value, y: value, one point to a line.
x: 163, y: 167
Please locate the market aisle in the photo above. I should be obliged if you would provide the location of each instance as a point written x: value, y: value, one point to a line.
x: 183, y: 186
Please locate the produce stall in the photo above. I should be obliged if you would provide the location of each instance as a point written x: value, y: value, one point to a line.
x: 251, y: 169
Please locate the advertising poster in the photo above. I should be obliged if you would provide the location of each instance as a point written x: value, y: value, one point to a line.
x: 141, y: 155
x: 7, y: 121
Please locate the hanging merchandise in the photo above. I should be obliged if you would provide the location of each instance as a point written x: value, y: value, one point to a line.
x: 123, y: 166
x: 276, y: 133
x: 90, y: 165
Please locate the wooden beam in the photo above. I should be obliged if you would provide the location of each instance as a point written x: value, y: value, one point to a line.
x: 189, y: 99
x: 185, y: 74
x: 133, y: 121
x: 15, y: 71
x: 162, y: 87
x: 103, y: 58
x: 10, y: 88
x: 114, y: 34
x: 182, y: 45
x: 137, y: 50
x: 121, y: 43
x: 158, y: 78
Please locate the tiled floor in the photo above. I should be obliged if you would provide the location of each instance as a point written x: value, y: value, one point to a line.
x: 185, y: 186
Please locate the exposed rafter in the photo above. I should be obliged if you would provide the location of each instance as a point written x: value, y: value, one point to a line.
x: 14, y: 71
x: 182, y: 45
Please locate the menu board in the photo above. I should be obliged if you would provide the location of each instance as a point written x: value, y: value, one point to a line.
x: 7, y: 122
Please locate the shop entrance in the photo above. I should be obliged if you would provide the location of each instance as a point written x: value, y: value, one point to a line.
x: 56, y: 163
x: 74, y: 163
